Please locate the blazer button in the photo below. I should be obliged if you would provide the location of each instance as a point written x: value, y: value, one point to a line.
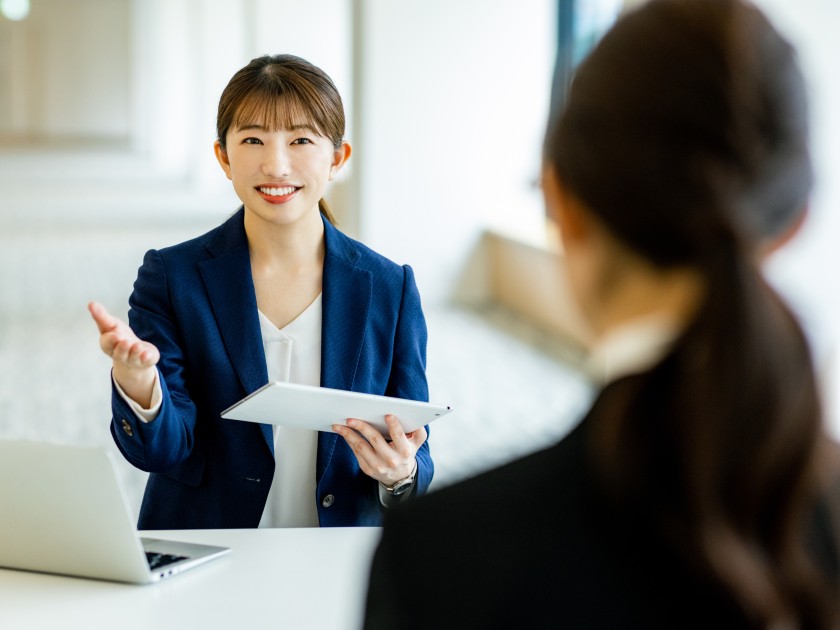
x: 328, y: 500
x: 127, y: 428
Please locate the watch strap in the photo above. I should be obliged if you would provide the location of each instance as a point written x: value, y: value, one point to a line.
x: 402, y: 483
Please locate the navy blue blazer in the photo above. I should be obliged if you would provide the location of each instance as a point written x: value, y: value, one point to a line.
x: 196, y: 302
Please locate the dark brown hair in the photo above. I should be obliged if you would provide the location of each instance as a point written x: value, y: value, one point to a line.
x: 281, y: 91
x: 686, y: 134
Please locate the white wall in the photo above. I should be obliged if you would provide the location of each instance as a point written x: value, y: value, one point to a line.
x: 454, y: 105
x: 50, y: 68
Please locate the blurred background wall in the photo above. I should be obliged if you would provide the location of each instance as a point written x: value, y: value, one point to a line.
x: 107, y: 119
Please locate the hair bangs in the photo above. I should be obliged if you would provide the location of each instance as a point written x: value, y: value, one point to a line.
x: 276, y: 110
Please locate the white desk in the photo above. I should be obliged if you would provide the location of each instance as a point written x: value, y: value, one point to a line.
x: 299, y: 579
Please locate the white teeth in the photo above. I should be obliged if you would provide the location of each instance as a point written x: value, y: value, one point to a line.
x: 278, y: 192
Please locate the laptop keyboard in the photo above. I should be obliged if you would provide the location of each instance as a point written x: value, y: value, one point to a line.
x: 157, y: 560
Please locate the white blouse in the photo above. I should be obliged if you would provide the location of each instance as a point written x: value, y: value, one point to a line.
x: 293, y: 355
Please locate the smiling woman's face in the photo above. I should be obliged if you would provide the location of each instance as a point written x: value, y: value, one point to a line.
x: 280, y: 175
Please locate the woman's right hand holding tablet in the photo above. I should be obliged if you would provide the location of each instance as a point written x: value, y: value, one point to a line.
x: 134, y: 359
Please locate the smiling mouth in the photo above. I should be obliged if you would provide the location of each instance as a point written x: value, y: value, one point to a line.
x: 283, y: 191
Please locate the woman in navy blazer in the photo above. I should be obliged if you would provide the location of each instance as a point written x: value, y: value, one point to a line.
x: 194, y: 328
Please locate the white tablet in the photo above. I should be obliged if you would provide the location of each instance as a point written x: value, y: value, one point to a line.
x: 307, y: 407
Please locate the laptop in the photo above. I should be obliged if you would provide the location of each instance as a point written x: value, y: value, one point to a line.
x: 63, y: 510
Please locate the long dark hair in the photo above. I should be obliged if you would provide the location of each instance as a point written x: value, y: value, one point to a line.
x: 281, y: 91
x: 686, y: 134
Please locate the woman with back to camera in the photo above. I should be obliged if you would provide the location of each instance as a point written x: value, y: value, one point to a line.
x: 274, y: 293
x: 700, y: 490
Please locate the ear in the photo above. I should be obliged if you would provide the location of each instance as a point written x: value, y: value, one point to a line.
x: 340, y: 157
x: 222, y: 157
x: 564, y: 209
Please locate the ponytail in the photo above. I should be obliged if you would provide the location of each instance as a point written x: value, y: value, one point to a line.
x: 752, y: 425
x: 726, y: 429
x: 325, y: 210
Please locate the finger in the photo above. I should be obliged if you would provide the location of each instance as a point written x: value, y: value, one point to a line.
x: 389, y: 461
x: 135, y: 353
x: 417, y: 437
x: 114, y: 345
x: 144, y: 354
x: 360, y: 447
x: 371, y: 434
x: 395, y: 429
x: 398, y: 437
x: 121, y: 349
x: 104, y: 320
x: 109, y: 342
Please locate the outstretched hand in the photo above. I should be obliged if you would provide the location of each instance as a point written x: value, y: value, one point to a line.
x: 119, y: 342
x: 387, y: 461
x: 134, y: 359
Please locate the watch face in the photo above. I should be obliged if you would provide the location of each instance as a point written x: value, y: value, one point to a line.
x: 402, y: 486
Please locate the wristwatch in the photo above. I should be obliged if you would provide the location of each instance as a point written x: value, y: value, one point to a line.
x: 403, y: 485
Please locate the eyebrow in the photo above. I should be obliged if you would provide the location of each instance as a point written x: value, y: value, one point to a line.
x: 265, y: 129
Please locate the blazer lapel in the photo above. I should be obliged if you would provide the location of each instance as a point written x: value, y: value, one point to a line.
x: 346, y: 296
x: 230, y: 287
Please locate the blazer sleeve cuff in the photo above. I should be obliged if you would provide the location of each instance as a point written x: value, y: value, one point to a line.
x: 143, y: 415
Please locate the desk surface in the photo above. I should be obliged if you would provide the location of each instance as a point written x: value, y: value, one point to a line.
x: 279, y: 578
